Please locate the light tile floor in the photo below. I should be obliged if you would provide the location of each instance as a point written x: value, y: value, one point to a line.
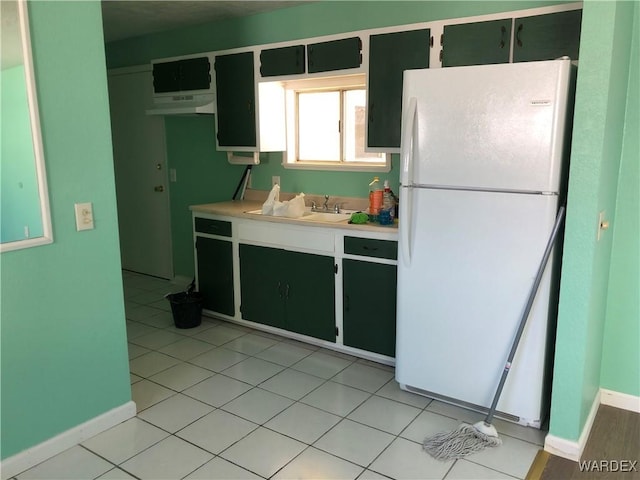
x: 222, y: 401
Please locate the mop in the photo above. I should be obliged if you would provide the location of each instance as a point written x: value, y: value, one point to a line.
x: 468, y: 439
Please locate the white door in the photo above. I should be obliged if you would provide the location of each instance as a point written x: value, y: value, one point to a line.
x: 140, y: 164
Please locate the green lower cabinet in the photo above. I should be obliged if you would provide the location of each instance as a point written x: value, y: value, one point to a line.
x: 215, y: 274
x: 369, y: 306
x: 261, y: 286
x: 289, y: 290
x: 310, y: 295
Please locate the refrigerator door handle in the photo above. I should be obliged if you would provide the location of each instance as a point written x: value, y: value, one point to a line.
x: 407, y: 142
x: 406, y: 178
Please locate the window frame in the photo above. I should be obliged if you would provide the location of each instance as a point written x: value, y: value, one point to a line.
x: 324, y: 84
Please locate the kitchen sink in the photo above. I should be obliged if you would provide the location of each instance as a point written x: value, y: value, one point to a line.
x: 326, y: 217
x: 309, y: 216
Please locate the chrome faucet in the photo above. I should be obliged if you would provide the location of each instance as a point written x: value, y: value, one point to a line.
x: 325, y: 205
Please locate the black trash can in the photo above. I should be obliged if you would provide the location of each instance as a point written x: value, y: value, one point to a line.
x: 186, y: 308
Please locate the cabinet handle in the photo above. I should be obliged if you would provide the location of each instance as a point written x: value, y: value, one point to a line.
x: 346, y: 303
x: 372, y: 249
x: 286, y: 291
x: 248, y: 105
x: 504, y: 32
x: 280, y: 289
x: 518, y: 39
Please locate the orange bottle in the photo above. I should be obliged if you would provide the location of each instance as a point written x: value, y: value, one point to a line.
x: 375, y: 199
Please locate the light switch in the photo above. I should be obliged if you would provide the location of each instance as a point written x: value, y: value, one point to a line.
x: 84, y: 216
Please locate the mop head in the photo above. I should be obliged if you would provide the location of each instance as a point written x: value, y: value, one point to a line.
x: 463, y: 441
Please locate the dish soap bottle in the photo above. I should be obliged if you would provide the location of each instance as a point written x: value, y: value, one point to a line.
x: 387, y: 213
x: 375, y: 199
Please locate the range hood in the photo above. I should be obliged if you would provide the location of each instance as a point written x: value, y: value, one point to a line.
x: 197, y: 104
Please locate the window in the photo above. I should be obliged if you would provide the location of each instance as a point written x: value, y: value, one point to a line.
x: 326, y: 120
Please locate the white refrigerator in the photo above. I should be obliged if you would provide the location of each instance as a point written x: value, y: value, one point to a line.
x: 483, y: 161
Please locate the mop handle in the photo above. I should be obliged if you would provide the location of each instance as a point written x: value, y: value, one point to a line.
x: 525, y: 314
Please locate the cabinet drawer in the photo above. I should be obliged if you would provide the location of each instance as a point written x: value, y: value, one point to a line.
x: 371, y: 248
x: 214, y: 227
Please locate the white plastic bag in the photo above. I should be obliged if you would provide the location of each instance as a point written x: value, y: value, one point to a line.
x: 293, y: 208
x: 269, y: 204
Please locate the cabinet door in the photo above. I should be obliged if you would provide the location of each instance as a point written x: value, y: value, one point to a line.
x: 215, y: 274
x: 282, y: 61
x: 310, y: 295
x: 476, y: 43
x: 166, y: 77
x: 195, y: 74
x: 334, y: 55
x: 235, y: 98
x: 390, y: 54
x: 546, y: 37
x: 262, y: 285
x: 369, y: 311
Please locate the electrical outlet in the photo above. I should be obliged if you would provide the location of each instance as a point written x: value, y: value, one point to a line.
x: 84, y: 216
x: 275, y: 180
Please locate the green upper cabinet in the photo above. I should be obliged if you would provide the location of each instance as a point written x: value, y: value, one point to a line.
x: 282, y: 61
x: 334, y: 55
x: 390, y: 54
x: 235, y: 100
x: 546, y: 37
x: 476, y: 43
x: 182, y: 75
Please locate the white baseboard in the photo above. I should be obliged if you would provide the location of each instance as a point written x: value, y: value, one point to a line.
x: 32, y: 456
x: 572, y: 449
x: 620, y: 400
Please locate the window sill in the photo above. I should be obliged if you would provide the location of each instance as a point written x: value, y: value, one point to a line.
x: 327, y: 166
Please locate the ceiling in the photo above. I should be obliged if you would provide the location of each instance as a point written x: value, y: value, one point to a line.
x: 131, y: 18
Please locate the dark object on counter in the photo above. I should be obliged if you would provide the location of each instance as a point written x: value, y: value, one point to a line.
x: 244, y: 181
x: 359, y: 217
x: 186, y: 307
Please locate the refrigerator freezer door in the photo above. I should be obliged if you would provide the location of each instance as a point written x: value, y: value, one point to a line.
x: 495, y: 127
x: 474, y: 256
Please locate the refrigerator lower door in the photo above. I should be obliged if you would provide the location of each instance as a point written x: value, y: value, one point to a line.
x: 467, y: 263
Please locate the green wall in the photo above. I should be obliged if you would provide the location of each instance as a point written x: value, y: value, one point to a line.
x: 601, y: 99
x: 185, y: 143
x: 622, y: 329
x: 64, y: 354
x: 20, y: 199
x: 590, y: 292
